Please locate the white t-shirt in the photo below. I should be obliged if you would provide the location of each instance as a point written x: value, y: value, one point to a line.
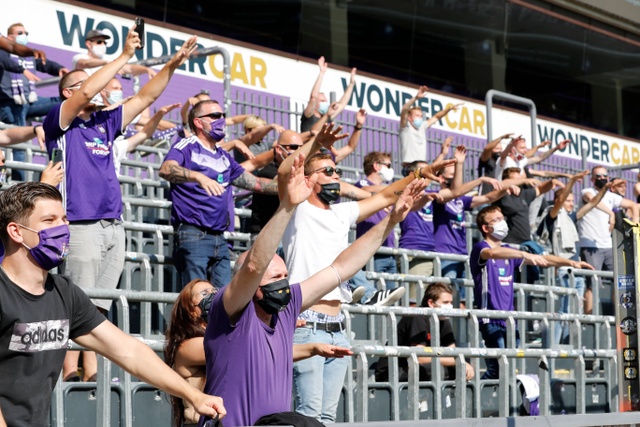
x: 77, y: 57
x: 413, y: 143
x: 314, y: 238
x: 119, y: 150
x: 509, y: 162
x: 593, y: 228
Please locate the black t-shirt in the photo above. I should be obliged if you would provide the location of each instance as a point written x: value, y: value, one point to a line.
x: 515, y: 210
x: 412, y: 331
x: 306, y: 123
x: 264, y: 206
x: 488, y: 168
x: 34, y: 334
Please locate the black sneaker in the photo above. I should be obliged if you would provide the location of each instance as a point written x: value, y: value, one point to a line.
x: 386, y: 298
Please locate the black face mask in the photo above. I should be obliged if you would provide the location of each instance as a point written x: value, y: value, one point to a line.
x: 495, y: 156
x: 276, y: 296
x: 329, y: 193
x: 205, y: 306
x: 600, y: 182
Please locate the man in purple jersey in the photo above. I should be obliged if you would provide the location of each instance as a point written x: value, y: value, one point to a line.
x: 201, y: 173
x: 249, y: 337
x: 493, y: 265
x: 91, y: 190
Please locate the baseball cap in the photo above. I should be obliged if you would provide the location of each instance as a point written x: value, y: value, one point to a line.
x: 94, y: 34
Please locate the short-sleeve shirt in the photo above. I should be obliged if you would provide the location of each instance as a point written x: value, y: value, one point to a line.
x: 515, y: 210
x: 191, y: 203
x: 510, y: 163
x: 365, y: 225
x: 593, y: 227
x: 263, y: 206
x: 487, y: 168
x: 250, y: 364
x: 34, y: 334
x: 306, y: 123
x: 449, y: 233
x: 314, y: 238
x: 493, y: 281
x: 91, y: 190
x: 416, y: 230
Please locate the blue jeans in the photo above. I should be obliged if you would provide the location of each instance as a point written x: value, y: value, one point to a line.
x: 360, y: 279
x: 42, y: 106
x: 317, y: 381
x: 561, y: 331
x: 494, y: 336
x: 198, y: 255
x: 455, y: 270
x: 386, y: 264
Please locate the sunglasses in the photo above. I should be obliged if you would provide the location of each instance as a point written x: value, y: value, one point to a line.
x: 292, y: 147
x: 329, y: 171
x: 76, y: 85
x: 99, y: 41
x: 213, y: 116
x: 384, y: 164
x: 603, y: 175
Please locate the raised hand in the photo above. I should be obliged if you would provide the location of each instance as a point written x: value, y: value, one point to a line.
x: 322, y: 64
x: 329, y: 350
x: 460, y: 153
x: 534, y: 259
x: 496, y: 184
x: 165, y: 109
x: 131, y: 43
x: 403, y: 205
x: 563, y: 144
x: 430, y: 170
x: 52, y: 174
x: 446, y: 145
x: 361, y: 116
x: 422, y: 91
x: 328, y: 135
x: 188, y: 47
x: 579, y: 175
x: 299, y: 187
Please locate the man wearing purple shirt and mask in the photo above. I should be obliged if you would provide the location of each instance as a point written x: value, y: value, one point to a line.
x: 201, y: 174
x: 493, y: 265
x: 91, y: 190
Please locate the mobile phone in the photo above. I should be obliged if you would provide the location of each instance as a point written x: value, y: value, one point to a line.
x: 56, y: 155
x: 140, y: 31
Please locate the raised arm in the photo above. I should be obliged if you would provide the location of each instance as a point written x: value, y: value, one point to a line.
x: 148, y: 129
x: 10, y: 46
x: 562, y: 197
x: 295, y: 189
x: 404, y: 113
x: 593, y: 201
x: 533, y: 150
x: 152, y: 90
x: 17, y: 134
x: 352, y: 192
x: 507, y: 150
x: 346, y: 96
x: 488, y: 149
x: 342, y: 152
x: 352, y: 259
x: 389, y: 195
x: 444, y: 150
x: 547, y: 186
x: 548, y: 153
x: 96, y: 82
x: 315, y: 90
x: 259, y: 161
x: 441, y: 114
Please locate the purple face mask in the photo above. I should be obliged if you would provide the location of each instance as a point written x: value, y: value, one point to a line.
x: 217, y: 129
x: 53, y: 247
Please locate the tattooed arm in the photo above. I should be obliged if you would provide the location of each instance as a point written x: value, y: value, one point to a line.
x: 176, y: 174
x: 258, y: 185
x: 352, y: 192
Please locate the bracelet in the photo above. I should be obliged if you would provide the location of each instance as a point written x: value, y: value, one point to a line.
x: 417, y: 174
x: 357, y: 127
x: 34, y: 129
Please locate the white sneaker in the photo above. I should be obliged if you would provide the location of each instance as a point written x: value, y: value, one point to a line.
x: 357, y: 294
x: 386, y: 298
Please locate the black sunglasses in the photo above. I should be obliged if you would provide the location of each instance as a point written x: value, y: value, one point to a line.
x: 26, y: 33
x: 291, y: 146
x: 99, y: 41
x: 214, y: 116
x: 384, y: 164
x: 601, y: 175
x: 329, y: 170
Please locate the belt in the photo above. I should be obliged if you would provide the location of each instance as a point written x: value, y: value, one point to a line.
x: 205, y: 230
x: 327, y: 327
x: 103, y: 222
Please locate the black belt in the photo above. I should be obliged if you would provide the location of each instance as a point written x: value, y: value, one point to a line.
x: 327, y: 327
x: 103, y: 222
x: 206, y: 230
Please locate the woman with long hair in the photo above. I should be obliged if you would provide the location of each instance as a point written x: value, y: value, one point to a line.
x: 184, y: 345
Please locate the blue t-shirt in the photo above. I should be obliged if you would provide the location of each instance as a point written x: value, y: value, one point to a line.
x: 90, y: 189
x: 493, y: 281
x: 449, y: 232
x: 191, y: 203
x: 363, y: 226
x: 250, y: 364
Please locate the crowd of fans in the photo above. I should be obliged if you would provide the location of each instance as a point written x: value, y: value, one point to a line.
x: 237, y: 315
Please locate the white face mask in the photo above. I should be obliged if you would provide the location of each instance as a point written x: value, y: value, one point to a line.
x: 323, y: 107
x: 22, y: 39
x: 114, y: 96
x: 500, y: 230
x: 386, y: 174
x: 99, y: 50
x: 446, y: 306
